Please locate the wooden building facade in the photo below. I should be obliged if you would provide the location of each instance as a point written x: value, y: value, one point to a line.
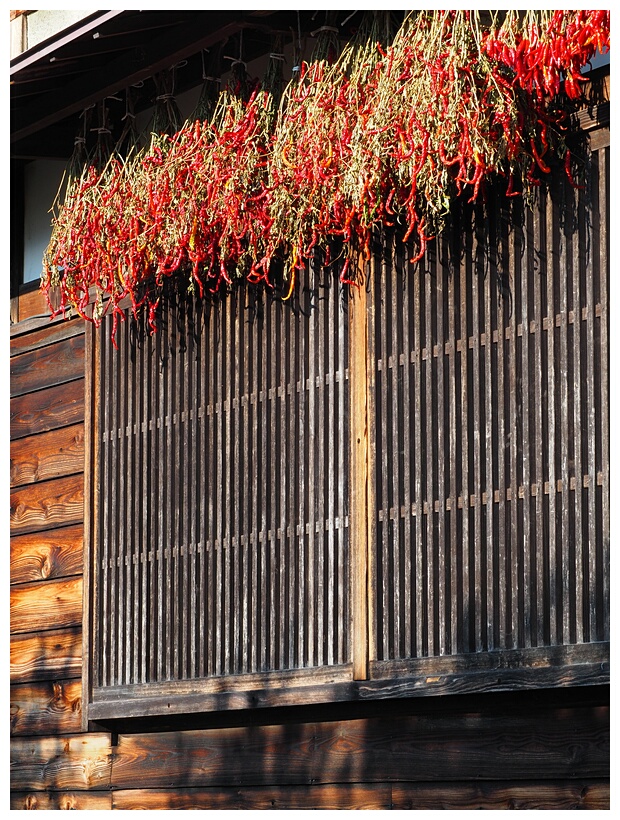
x: 335, y: 553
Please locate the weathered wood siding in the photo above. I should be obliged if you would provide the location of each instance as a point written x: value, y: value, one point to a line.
x: 46, y: 476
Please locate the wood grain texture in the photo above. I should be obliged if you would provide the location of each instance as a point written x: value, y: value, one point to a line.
x: 72, y: 762
x: 46, y: 555
x: 47, y: 366
x: 46, y: 655
x: 46, y: 605
x: 358, y: 352
x: 560, y: 795
x: 30, y: 335
x: 49, y: 801
x: 538, y: 794
x: 47, y: 504
x: 49, y: 455
x: 32, y: 304
x: 355, y: 796
x: 47, y: 409
x: 48, y: 708
x: 564, y: 744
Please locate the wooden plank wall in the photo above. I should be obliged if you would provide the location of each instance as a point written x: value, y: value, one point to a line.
x: 46, y: 517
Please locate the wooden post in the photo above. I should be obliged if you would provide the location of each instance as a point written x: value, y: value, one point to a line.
x: 358, y: 380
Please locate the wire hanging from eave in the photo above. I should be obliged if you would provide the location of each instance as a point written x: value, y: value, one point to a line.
x: 129, y: 137
x: 166, y: 116
x: 211, y: 85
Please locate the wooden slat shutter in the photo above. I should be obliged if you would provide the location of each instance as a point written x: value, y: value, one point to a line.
x: 222, y: 536
x: 491, y: 482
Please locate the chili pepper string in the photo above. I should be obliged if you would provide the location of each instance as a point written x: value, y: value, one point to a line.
x: 388, y: 131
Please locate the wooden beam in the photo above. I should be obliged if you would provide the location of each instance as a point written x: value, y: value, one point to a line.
x: 163, y: 51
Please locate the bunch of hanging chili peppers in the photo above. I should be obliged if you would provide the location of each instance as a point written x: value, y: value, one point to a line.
x: 389, y: 132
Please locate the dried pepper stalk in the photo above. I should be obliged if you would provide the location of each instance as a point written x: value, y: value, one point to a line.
x: 391, y: 130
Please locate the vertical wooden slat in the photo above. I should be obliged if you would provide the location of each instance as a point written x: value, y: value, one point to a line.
x: 440, y: 581
x: 201, y: 468
x: 148, y: 491
x: 330, y: 489
x: 503, y: 427
x: 289, y: 509
x: 528, y: 375
x: 157, y: 470
x: 466, y: 610
x: 170, y: 579
x: 429, y: 465
x: 137, y: 376
x: 407, y: 412
x: 358, y: 521
x: 474, y: 498
x: 128, y: 539
x: 488, y: 411
x: 576, y: 252
x: 263, y: 544
x: 192, y: 329
x: 419, y: 464
x: 562, y: 487
x: 303, y: 481
x: 601, y: 216
x: 537, y: 488
x: 452, y: 435
x: 517, y: 449
x: 227, y: 355
x: 238, y: 581
x: 550, y: 438
x: 393, y: 426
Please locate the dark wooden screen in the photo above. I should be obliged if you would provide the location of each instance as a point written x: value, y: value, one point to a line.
x: 222, y: 539
x: 491, y: 394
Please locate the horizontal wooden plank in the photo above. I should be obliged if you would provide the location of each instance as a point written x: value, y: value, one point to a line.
x: 49, y: 708
x: 68, y: 762
x: 41, y: 556
x: 35, y: 333
x: 48, y: 366
x: 561, y: 743
x: 46, y: 605
x: 53, y: 801
x: 537, y: 794
x: 47, y: 409
x: 49, y: 455
x: 46, y: 655
x: 48, y: 504
x: 562, y: 795
x: 333, y: 796
x: 32, y: 303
